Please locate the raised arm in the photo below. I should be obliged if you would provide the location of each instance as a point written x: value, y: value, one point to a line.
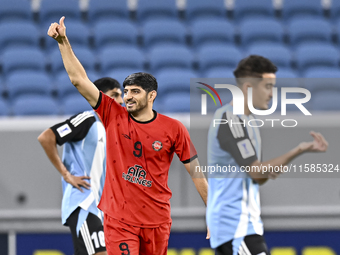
x: 74, y: 69
x: 48, y: 141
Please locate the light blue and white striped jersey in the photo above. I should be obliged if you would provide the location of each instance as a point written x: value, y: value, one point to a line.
x: 233, y: 209
x: 84, y: 154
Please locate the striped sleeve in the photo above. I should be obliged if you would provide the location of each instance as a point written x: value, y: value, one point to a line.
x: 233, y: 138
x: 74, y: 129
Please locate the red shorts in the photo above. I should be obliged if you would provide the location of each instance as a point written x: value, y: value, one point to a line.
x: 121, y: 238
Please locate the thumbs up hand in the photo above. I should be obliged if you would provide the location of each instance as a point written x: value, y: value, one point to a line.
x: 57, y: 31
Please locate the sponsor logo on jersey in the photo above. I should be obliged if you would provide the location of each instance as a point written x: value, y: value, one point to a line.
x: 64, y: 130
x: 126, y: 136
x: 157, y: 145
x: 136, y: 174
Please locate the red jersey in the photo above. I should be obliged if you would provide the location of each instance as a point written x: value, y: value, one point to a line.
x: 139, y: 155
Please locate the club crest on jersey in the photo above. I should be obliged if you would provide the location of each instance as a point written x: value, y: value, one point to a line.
x: 157, y: 145
x: 136, y: 174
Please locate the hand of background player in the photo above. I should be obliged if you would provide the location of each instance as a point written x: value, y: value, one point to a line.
x: 208, y: 234
x: 77, y: 181
x: 273, y: 175
x: 57, y: 31
x: 318, y: 145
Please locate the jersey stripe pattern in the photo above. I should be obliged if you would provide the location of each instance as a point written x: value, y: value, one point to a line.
x: 85, y: 233
x: 84, y: 154
x: 233, y: 209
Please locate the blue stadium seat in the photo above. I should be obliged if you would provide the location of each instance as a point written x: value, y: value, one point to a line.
x: 286, y: 73
x: 337, y: 31
x: 84, y: 54
x: 259, y: 30
x: 11, y: 10
x: 64, y: 87
x: 35, y: 105
x: 23, y: 59
x: 52, y: 11
x: 121, y: 73
x: 155, y: 9
x: 220, y: 72
x: 2, y: 87
x: 19, y: 33
x: 169, y: 57
x: 176, y: 102
x: 326, y: 100
x: 293, y: 8
x: 170, y: 81
x: 280, y: 55
x: 210, y: 30
x: 77, y: 32
x: 316, y: 55
x: 323, y: 73
x: 258, y: 8
x: 121, y: 57
x: 335, y: 10
x: 119, y: 32
x: 207, y: 9
x: 321, y: 79
x: 99, y: 10
x: 28, y: 83
x: 218, y: 55
x: 93, y: 75
x: 4, y: 108
x: 160, y: 31
x: 309, y: 29
x: 74, y: 104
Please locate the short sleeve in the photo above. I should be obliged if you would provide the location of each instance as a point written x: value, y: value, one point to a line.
x: 107, y: 107
x: 74, y: 129
x: 235, y: 140
x: 184, y: 148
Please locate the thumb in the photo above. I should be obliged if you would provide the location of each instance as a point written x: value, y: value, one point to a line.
x: 61, y: 21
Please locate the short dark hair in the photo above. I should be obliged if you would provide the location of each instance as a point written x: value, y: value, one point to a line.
x: 144, y: 80
x: 105, y: 84
x: 254, y: 66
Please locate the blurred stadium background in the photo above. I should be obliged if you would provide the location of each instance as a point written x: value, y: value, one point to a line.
x: 175, y: 41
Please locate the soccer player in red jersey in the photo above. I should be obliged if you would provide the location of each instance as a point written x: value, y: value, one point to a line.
x: 140, y: 148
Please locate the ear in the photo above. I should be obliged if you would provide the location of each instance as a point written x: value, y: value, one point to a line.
x: 152, y: 95
x: 245, y: 87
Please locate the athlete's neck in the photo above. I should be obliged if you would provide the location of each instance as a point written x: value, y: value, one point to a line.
x: 143, y: 115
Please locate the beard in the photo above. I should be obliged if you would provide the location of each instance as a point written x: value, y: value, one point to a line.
x: 141, y: 105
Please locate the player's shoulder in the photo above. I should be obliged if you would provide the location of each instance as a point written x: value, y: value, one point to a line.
x: 168, y: 121
x: 81, y: 117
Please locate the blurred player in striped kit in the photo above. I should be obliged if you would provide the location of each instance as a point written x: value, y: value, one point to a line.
x: 83, y: 170
x: 233, y: 211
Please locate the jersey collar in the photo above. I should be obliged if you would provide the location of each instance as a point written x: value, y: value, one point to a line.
x: 145, y: 122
